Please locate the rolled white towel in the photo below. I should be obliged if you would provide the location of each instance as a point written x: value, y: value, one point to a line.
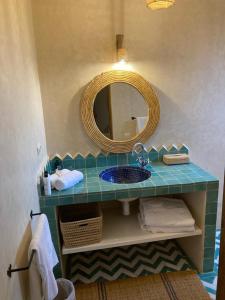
x: 68, y: 180
x: 56, y: 175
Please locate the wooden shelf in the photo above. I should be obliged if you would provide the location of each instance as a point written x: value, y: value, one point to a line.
x: 119, y: 230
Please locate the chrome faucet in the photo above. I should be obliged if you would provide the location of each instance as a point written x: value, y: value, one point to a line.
x: 142, y: 154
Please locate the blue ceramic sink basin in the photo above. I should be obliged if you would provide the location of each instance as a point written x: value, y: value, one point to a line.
x: 125, y: 174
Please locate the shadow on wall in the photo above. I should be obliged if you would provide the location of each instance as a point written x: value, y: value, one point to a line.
x: 21, y: 279
x: 175, y: 126
x: 78, y: 129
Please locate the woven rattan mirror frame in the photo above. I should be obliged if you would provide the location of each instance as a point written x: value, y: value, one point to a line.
x: 87, y: 115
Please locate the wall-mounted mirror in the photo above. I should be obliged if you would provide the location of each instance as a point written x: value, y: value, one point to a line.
x: 119, y: 109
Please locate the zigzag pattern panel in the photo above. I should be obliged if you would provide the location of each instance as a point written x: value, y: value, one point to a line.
x: 130, y: 261
x: 100, y: 159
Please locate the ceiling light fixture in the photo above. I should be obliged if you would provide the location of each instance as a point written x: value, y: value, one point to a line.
x: 159, y: 4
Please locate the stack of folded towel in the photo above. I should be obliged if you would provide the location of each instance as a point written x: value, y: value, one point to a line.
x: 64, y: 179
x: 165, y: 215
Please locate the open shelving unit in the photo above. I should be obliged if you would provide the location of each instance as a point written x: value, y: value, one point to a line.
x: 120, y: 230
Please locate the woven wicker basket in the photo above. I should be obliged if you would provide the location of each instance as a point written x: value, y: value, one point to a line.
x: 80, y: 224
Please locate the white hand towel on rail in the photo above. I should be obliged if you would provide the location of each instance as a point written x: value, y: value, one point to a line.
x: 161, y: 212
x: 140, y: 123
x: 45, y: 257
x: 68, y: 180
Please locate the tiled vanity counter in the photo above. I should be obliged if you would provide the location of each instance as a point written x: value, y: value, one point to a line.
x: 198, y: 188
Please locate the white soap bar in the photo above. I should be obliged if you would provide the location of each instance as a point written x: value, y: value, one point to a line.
x: 173, y: 159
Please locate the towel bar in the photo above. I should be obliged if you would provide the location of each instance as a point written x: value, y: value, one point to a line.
x: 32, y: 214
x: 10, y: 270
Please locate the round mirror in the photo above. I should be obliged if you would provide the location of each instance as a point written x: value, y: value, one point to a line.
x: 119, y: 109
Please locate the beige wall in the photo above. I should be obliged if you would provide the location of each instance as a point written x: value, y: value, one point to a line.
x: 21, y: 129
x: 179, y: 50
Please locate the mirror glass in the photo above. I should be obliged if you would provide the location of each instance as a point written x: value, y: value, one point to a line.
x: 120, y: 111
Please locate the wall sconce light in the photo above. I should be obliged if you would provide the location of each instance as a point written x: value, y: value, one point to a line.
x: 158, y: 4
x: 121, y: 51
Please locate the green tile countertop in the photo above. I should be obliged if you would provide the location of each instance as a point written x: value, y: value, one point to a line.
x: 164, y: 180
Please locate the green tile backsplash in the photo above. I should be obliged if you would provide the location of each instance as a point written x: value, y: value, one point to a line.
x: 110, y: 159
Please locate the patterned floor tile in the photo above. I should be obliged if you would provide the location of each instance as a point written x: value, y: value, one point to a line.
x: 124, y: 262
x: 136, y: 260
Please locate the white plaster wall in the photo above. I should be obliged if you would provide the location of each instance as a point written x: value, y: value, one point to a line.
x: 181, y: 51
x: 21, y: 129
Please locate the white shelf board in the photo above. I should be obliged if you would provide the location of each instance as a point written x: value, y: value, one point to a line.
x: 119, y: 230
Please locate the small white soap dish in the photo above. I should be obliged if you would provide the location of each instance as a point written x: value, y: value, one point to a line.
x: 176, y: 159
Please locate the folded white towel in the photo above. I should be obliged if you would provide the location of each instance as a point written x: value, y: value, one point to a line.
x: 164, y: 229
x: 172, y: 229
x: 161, y: 212
x: 45, y: 257
x: 68, y: 180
